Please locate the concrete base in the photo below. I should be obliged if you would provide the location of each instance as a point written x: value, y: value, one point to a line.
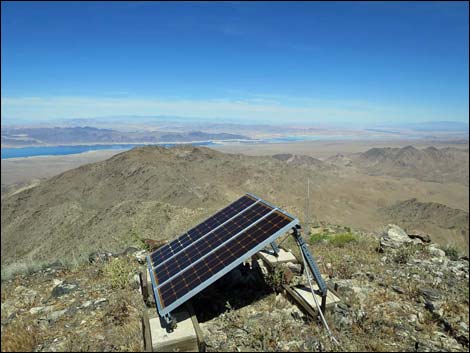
x: 283, y: 257
x: 182, y: 339
x: 305, y: 293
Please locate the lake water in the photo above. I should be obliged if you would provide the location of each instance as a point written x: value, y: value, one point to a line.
x: 64, y: 150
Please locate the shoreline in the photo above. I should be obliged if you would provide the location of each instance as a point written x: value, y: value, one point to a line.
x: 123, y: 143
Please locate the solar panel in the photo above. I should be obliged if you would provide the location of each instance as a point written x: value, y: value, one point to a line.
x: 199, y: 257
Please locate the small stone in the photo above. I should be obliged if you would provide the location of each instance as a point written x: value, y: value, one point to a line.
x: 430, y: 293
x: 56, y: 315
x: 36, y: 310
x: 141, y: 256
x: 63, y: 288
x: 397, y: 289
x: 100, y: 256
x: 100, y: 301
x: 86, y: 304
x: 295, y: 268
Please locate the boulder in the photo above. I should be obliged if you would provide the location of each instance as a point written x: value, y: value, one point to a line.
x: 418, y: 234
x: 436, y: 252
x: 394, y: 237
x: 63, y: 288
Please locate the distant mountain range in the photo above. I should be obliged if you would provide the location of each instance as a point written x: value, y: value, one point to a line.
x: 87, y: 135
x: 430, y: 126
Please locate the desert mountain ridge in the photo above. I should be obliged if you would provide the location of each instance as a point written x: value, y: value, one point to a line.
x: 428, y: 164
x: 158, y: 193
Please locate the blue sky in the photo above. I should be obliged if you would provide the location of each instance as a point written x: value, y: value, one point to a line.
x: 367, y: 63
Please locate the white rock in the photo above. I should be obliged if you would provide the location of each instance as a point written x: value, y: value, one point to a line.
x: 56, y: 315
x: 395, y: 237
x: 100, y: 301
x: 86, y: 304
x: 436, y: 252
x: 36, y: 310
x: 141, y: 256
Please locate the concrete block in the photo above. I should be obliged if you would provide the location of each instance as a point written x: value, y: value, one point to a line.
x: 182, y: 339
x: 284, y: 257
x: 304, y: 292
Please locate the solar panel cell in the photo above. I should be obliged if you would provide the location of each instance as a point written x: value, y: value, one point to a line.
x: 201, y: 248
x: 202, y: 229
x: 227, y: 254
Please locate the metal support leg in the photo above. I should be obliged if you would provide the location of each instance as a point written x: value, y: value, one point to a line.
x: 170, y: 322
x: 312, y: 266
x: 275, y: 248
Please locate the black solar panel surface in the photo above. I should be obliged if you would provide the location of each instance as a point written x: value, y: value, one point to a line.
x: 209, y: 242
x: 202, y: 229
x: 221, y: 258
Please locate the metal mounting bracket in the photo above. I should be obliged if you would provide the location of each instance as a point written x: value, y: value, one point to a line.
x: 322, y: 291
x: 275, y: 249
x: 170, y: 322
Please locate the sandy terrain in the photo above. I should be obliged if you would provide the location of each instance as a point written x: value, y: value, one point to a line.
x: 23, y: 171
x: 324, y: 149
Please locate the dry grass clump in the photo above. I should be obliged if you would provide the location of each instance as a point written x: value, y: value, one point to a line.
x: 118, y: 272
x: 19, y: 336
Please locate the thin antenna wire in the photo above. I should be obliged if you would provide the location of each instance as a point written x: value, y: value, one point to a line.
x: 307, y: 206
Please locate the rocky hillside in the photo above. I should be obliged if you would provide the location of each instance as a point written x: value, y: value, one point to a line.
x: 303, y: 161
x: 429, y: 216
x: 429, y: 164
x: 158, y: 193
x: 150, y: 192
x: 397, y: 294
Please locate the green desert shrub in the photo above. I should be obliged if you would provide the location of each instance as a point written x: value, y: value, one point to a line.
x: 451, y: 252
x: 341, y: 240
x: 318, y: 238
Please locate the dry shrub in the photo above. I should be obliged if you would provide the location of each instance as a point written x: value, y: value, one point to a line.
x: 19, y: 336
x: 118, y: 271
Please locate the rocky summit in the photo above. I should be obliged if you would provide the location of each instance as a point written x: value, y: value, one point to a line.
x: 398, y: 293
